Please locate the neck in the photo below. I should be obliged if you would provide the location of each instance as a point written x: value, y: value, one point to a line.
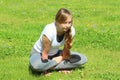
x: 59, y: 33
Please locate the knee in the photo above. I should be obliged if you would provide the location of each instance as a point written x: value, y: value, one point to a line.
x: 83, y: 58
x: 37, y: 67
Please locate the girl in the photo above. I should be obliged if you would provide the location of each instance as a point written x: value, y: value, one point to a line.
x: 46, y: 55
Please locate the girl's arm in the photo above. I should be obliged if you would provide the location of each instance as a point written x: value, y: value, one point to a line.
x: 46, y: 46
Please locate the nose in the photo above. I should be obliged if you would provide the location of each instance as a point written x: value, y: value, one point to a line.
x: 67, y: 25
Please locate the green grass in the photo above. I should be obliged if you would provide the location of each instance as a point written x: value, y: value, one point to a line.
x: 97, y: 24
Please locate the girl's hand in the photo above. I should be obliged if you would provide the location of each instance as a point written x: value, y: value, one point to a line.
x: 65, y: 53
x: 44, y: 56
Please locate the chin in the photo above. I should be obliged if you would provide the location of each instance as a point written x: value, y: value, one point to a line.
x: 65, y: 31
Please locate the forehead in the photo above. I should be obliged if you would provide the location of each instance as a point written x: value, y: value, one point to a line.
x: 68, y: 18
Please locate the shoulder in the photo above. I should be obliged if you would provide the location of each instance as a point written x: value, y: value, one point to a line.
x: 50, y: 26
x: 49, y: 31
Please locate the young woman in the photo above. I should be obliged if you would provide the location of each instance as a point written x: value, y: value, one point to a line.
x: 46, y: 53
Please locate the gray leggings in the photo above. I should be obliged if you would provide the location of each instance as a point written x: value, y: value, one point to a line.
x: 37, y: 64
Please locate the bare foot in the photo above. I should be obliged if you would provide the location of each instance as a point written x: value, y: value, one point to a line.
x: 47, y: 73
x: 66, y: 71
x: 58, y: 59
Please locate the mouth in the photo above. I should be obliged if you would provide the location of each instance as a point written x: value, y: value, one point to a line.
x: 65, y: 29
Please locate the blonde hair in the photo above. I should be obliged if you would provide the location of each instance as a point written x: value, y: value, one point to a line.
x: 61, y: 17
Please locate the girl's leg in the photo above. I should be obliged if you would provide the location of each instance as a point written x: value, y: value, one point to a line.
x: 76, y: 60
x: 38, y: 65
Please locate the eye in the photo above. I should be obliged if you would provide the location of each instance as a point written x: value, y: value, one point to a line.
x: 70, y: 22
x: 65, y: 23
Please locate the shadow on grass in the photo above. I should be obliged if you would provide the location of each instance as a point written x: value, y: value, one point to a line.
x: 37, y: 73
x: 33, y: 72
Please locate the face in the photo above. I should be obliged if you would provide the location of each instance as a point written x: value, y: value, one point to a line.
x: 63, y: 27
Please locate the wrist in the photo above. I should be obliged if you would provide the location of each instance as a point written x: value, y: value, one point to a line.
x: 44, y: 60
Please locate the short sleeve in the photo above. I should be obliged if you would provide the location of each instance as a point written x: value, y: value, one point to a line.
x: 73, y: 31
x: 48, y: 32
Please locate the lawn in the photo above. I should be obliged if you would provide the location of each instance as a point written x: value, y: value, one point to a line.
x: 97, y: 24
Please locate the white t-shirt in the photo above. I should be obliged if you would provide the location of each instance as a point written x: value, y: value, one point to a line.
x: 51, y: 33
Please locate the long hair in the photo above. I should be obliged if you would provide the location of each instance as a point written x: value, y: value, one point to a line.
x: 61, y: 17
